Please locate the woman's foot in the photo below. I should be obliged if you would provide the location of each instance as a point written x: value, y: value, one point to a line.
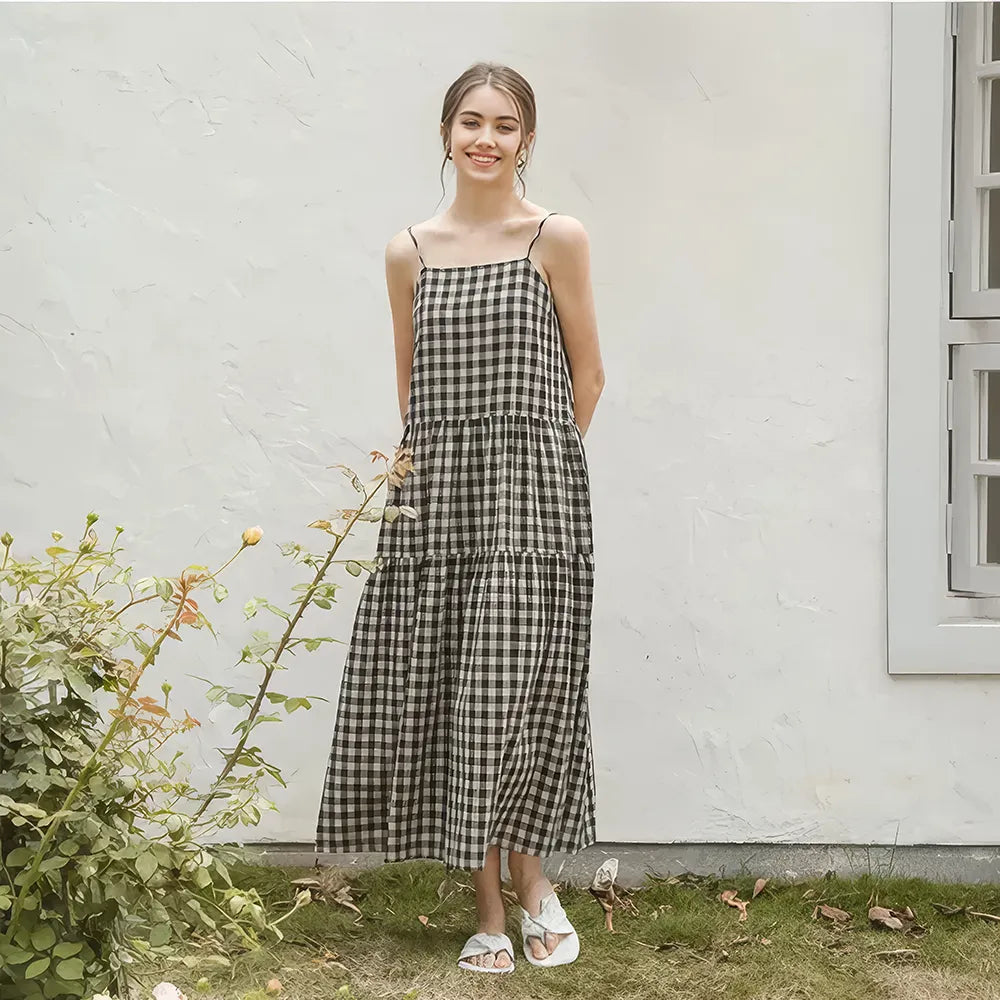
x: 491, y: 912
x: 500, y: 959
x: 531, y: 900
x: 532, y: 887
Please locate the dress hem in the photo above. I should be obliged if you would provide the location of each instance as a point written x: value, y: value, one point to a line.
x: 504, y: 843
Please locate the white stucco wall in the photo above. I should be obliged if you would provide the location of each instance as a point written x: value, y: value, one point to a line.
x: 194, y: 326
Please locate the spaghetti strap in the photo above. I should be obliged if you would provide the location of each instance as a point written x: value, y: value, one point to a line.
x: 412, y: 237
x: 537, y: 234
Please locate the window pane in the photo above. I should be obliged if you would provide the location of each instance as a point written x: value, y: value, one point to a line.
x: 994, y: 32
x: 990, y: 436
x: 989, y: 519
x: 993, y: 162
x: 991, y: 243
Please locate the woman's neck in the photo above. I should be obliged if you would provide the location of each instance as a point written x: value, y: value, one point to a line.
x: 482, y: 207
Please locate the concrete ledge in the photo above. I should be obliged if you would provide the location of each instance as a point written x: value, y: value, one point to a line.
x: 937, y: 863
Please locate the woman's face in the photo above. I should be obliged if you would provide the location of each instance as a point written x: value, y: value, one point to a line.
x: 488, y: 128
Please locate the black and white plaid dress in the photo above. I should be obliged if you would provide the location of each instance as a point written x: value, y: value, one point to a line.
x: 463, y: 714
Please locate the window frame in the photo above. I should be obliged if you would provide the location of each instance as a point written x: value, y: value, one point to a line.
x: 931, y: 629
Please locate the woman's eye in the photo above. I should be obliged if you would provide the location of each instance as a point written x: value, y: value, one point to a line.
x: 473, y: 124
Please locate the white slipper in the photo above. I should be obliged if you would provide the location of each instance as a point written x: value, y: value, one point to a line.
x: 552, y: 918
x: 485, y: 944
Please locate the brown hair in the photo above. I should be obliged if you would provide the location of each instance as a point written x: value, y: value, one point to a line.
x: 502, y: 78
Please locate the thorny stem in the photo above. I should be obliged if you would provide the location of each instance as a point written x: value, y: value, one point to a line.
x: 283, y: 642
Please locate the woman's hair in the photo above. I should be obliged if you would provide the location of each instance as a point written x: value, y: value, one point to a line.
x: 502, y: 78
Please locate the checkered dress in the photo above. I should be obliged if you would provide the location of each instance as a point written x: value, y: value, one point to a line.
x: 463, y: 714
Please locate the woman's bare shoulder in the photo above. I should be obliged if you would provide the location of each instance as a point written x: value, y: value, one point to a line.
x: 566, y: 227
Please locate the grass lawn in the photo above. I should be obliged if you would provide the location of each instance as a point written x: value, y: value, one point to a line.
x: 681, y: 943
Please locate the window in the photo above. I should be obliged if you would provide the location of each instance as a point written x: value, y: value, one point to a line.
x: 943, y: 459
x: 973, y: 391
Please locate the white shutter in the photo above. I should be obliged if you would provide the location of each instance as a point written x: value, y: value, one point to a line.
x: 975, y: 472
x: 976, y: 165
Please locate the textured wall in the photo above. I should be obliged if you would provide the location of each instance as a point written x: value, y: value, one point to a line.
x: 193, y: 212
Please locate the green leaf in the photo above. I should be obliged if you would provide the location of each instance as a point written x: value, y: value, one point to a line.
x: 15, y: 956
x: 43, y: 938
x: 293, y: 703
x: 238, y: 700
x: 70, y: 968
x: 216, y: 692
x: 20, y: 856
x: 37, y: 968
x: 146, y: 867
x: 223, y: 871
x: 65, y: 949
x: 160, y: 935
x: 274, y: 697
x: 219, y: 592
x: 353, y: 567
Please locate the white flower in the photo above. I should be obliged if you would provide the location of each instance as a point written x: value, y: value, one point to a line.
x: 167, y: 991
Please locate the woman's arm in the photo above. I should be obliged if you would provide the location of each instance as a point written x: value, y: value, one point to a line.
x: 567, y: 260
x: 400, y: 260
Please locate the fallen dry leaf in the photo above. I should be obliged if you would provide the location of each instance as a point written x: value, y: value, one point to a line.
x: 984, y: 916
x: 603, y: 889
x: 273, y: 986
x: 831, y: 913
x: 758, y: 887
x: 896, y: 920
x: 731, y: 898
x: 343, y: 897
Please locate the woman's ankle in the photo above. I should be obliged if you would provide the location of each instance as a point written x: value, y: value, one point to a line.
x: 532, y: 891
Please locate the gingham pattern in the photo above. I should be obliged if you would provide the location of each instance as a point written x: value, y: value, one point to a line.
x: 463, y: 713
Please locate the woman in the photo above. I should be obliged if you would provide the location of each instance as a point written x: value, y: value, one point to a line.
x: 463, y: 725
